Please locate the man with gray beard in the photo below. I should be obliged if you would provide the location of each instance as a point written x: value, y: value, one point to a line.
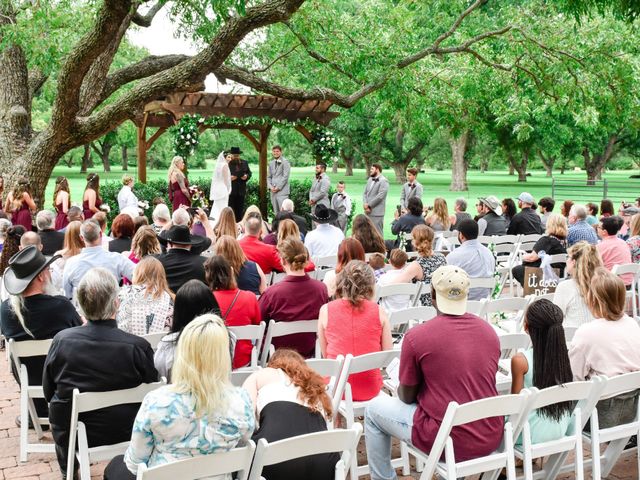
x: 33, y: 311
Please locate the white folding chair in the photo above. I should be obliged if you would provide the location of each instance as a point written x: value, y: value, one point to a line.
x: 253, y: 333
x: 476, y: 307
x: 324, y: 263
x: 203, y: 466
x: 410, y: 289
x: 516, y: 305
x: 511, y: 343
x: 403, y: 319
x: 350, y: 409
x: 485, y: 239
x: 507, y: 255
x: 280, y: 329
x: 154, y: 339
x: 483, y: 282
x: 585, y: 394
x: 240, y: 375
x: 25, y: 349
x: 526, y: 247
x: 617, y: 436
x: 634, y: 269
x: 343, y: 441
x: 511, y: 406
x: 569, y: 332
x: 532, y: 237
x: 412, y: 255
x: 276, y: 277
x: 88, y: 402
x: 560, y: 258
x: 502, y: 239
x: 331, y: 368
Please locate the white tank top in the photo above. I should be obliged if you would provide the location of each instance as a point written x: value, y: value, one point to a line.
x: 281, y: 391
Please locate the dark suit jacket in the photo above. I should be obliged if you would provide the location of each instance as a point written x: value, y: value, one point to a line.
x: 51, y: 241
x: 301, y: 222
x: 180, y: 266
x: 239, y: 169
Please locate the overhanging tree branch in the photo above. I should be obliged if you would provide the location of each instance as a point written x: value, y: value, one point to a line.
x: 146, y: 19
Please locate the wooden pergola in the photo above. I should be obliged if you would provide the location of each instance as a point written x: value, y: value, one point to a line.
x: 166, y: 112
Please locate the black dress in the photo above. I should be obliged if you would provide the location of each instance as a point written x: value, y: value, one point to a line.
x: 282, y: 419
x: 551, y: 246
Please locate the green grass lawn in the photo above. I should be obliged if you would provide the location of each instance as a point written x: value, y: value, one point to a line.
x: 436, y: 184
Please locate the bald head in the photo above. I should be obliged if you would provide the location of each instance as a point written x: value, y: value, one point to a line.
x: 30, y: 238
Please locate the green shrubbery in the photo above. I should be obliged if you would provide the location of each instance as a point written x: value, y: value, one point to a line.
x: 159, y: 188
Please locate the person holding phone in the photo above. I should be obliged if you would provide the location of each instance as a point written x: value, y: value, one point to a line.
x: 405, y: 223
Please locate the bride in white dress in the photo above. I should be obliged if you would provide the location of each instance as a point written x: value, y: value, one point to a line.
x: 220, y: 185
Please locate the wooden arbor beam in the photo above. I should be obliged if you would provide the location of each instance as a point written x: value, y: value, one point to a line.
x: 144, y: 145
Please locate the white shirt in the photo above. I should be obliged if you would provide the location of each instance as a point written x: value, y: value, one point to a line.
x: 568, y: 298
x: 324, y: 240
x: 127, y: 199
x: 393, y: 303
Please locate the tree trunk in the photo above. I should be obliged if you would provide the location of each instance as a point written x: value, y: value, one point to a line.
x: 520, y: 166
x: 459, y: 162
x: 105, y: 158
x: 594, y: 164
x: 86, y: 159
x: 334, y: 168
x: 547, y: 162
x: 348, y: 163
x: 125, y: 159
x: 512, y: 170
x: 400, y: 169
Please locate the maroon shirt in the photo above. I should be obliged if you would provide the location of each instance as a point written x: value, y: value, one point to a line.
x: 292, y: 299
x: 428, y: 352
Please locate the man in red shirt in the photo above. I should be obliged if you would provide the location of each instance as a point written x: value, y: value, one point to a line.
x: 266, y: 256
x: 456, y: 354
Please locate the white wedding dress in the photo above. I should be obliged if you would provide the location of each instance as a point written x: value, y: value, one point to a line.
x: 220, y: 187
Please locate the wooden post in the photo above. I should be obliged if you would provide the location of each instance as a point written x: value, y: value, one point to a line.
x: 264, y: 138
x: 142, y: 150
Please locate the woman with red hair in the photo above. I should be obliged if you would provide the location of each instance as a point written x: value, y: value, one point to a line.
x: 290, y: 399
x: 122, y: 230
x: 349, y: 249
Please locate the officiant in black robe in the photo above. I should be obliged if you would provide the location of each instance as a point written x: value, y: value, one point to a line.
x: 240, y: 175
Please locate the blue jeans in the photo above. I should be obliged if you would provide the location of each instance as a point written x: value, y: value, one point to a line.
x: 386, y: 417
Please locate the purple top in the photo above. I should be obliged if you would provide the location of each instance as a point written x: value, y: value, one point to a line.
x: 275, y: 304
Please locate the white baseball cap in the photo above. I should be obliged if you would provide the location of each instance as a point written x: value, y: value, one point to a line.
x: 451, y: 284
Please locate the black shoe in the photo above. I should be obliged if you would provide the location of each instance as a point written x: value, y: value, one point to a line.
x: 632, y: 443
x: 19, y: 424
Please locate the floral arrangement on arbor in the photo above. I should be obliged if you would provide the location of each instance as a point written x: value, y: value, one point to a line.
x: 186, y: 133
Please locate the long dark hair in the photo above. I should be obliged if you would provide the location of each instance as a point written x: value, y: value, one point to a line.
x: 192, y: 299
x: 366, y: 232
x: 551, y: 365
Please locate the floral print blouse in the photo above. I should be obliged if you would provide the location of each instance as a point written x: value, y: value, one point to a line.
x: 167, y: 428
x: 429, y: 265
x: 141, y: 314
x: 634, y: 246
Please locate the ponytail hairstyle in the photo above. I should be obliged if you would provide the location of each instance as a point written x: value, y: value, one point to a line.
x: 313, y: 390
x: 11, y: 245
x: 62, y: 185
x: 293, y: 251
x: 93, y: 183
x: 587, y: 259
x: 23, y: 186
x: 551, y: 366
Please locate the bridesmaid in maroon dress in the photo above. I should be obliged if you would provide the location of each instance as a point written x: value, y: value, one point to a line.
x: 61, y: 200
x: 91, y: 200
x: 20, y: 204
x: 178, y: 184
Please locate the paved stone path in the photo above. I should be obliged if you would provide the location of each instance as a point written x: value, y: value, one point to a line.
x: 45, y: 467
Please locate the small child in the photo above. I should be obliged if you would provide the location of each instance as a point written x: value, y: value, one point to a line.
x: 376, y: 261
x: 393, y: 303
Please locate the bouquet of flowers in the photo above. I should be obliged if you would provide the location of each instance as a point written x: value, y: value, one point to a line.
x: 198, y: 198
x: 143, y: 204
x: 105, y: 208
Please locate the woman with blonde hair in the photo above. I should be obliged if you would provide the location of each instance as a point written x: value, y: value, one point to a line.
x: 145, y: 242
x: 226, y: 224
x: 61, y: 202
x: 249, y: 275
x: 634, y: 238
x: 178, y: 184
x: 71, y: 247
x: 553, y: 242
x: 427, y: 262
x: 20, y: 204
x: 309, y: 294
x: 438, y: 219
x: 290, y: 399
x: 199, y: 414
x: 91, y: 200
x: 582, y: 261
x: 608, y: 345
x: 355, y: 324
x: 147, y: 305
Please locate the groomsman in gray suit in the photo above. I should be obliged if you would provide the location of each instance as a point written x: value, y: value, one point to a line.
x: 278, y: 178
x: 341, y: 203
x: 375, y: 196
x: 411, y: 188
x: 319, y: 193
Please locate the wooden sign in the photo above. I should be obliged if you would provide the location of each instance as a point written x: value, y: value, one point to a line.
x: 534, y: 283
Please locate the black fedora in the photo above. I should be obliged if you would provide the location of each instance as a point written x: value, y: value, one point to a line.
x: 235, y: 151
x: 180, y: 235
x: 23, y: 267
x: 324, y: 215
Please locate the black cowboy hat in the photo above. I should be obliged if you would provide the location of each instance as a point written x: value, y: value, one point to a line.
x: 324, y: 215
x: 180, y: 235
x: 23, y: 267
x: 235, y: 151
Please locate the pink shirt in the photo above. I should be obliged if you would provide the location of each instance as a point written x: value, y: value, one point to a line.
x: 615, y: 251
x: 604, y: 347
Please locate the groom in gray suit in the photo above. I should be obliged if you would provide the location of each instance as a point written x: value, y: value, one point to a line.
x: 319, y: 193
x: 374, y: 198
x: 278, y: 178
